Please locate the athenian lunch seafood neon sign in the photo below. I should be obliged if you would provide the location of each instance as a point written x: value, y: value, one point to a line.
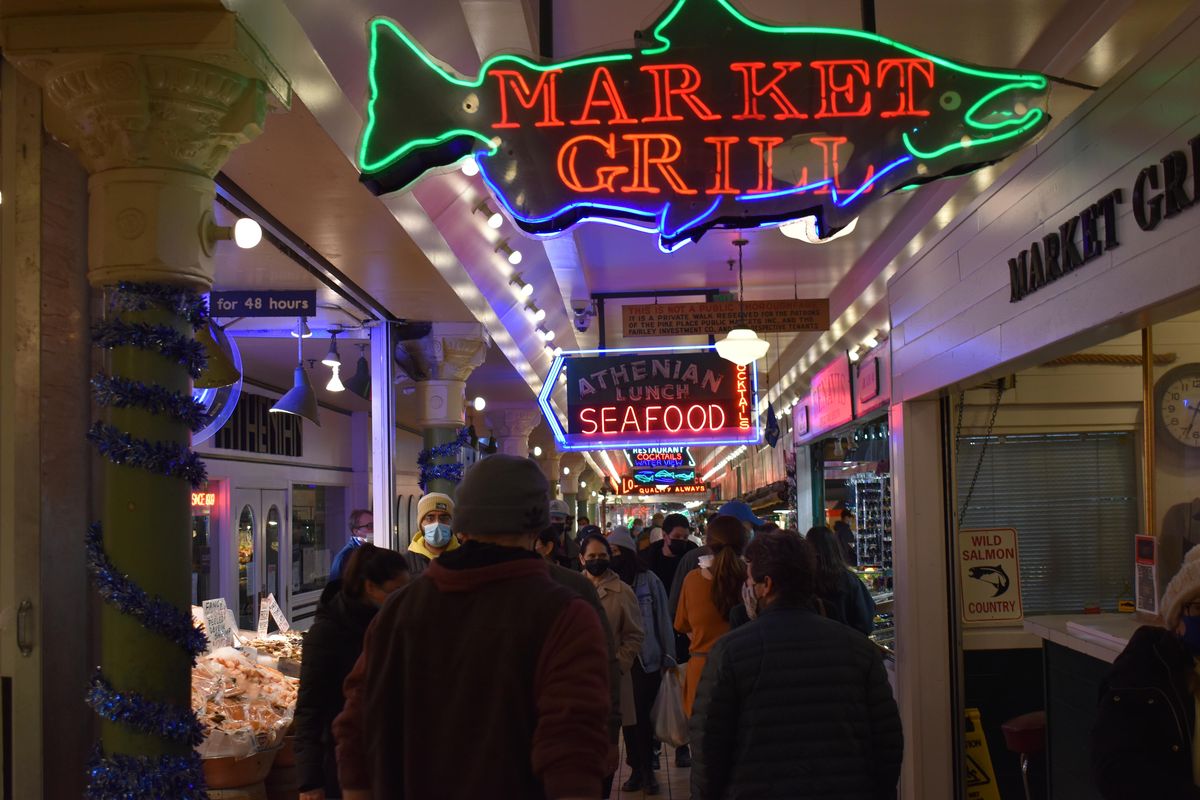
x: 712, y: 120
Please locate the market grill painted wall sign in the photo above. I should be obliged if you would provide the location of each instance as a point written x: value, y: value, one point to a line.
x: 253, y: 429
x: 1159, y: 193
x: 643, y: 458
x: 711, y: 120
x: 703, y: 319
x: 656, y: 396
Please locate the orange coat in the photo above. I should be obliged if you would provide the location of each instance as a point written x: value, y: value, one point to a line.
x: 698, y: 617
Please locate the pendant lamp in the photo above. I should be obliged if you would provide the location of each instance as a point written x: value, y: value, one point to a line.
x: 742, y: 345
x: 360, y: 382
x: 220, y: 370
x: 300, y: 400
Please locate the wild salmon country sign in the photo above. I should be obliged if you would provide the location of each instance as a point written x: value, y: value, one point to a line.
x: 711, y: 120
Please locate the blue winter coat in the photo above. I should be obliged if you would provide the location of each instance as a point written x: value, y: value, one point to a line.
x: 656, y: 621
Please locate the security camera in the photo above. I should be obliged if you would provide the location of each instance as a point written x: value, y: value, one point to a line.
x: 581, y: 306
x: 583, y: 314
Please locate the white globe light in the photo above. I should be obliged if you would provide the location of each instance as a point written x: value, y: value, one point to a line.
x: 514, y: 257
x: 539, y: 315
x: 583, y: 484
x: 550, y: 336
x: 742, y: 346
x: 495, y: 220
x: 525, y: 291
x: 566, y: 470
x: 537, y: 452
x: 480, y: 404
x: 470, y: 167
x: 247, y: 233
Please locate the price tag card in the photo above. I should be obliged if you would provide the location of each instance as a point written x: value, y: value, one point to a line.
x: 276, y: 614
x: 264, y: 616
x: 215, y: 622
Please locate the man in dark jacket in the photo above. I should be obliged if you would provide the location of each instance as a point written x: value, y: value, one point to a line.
x: 529, y: 702
x: 758, y: 731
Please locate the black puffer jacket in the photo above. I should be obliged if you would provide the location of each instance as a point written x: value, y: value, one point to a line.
x: 331, y: 647
x: 794, y: 706
x: 1142, y: 742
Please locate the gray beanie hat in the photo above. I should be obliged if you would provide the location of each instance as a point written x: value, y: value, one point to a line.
x: 502, y: 494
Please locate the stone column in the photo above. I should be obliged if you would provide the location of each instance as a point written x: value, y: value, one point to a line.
x: 443, y: 360
x: 512, y: 424
x: 551, y: 464
x: 569, y: 483
x: 152, y: 103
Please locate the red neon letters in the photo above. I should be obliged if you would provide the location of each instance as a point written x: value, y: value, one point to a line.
x: 649, y: 159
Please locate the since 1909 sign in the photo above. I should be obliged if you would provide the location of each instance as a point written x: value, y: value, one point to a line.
x: 710, y: 120
x: 631, y: 398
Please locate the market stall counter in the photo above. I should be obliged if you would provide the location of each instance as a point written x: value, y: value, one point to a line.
x: 1078, y: 651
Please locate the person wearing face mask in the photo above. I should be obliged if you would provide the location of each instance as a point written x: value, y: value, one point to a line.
x: 624, y: 618
x: 362, y: 528
x: 794, y: 706
x: 435, y: 514
x: 566, y: 552
x: 331, y: 646
x: 1144, y: 742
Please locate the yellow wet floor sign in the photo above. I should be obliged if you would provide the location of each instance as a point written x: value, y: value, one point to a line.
x: 981, y: 778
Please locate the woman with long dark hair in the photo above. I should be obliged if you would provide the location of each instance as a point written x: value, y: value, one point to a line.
x: 708, y: 595
x: 331, y: 647
x: 843, y: 596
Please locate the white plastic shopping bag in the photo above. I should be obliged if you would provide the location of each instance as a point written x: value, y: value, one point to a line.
x: 670, y: 721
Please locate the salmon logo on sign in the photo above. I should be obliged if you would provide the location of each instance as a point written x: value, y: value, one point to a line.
x: 711, y: 120
x: 990, y: 576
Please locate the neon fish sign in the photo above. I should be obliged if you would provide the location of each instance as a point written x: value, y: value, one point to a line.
x: 679, y: 135
x: 652, y: 397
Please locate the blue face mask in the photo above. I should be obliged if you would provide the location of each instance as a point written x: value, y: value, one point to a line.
x: 1191, y: 634
x: 437, y: 534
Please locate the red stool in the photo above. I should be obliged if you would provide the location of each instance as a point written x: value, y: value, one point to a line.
x: 1026, y: 735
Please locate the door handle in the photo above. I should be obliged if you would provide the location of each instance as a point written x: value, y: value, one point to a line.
x: 24, y: 619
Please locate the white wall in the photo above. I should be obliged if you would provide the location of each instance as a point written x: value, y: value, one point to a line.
x: 951, y: 315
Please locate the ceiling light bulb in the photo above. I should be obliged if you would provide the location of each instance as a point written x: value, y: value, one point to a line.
x: 742, y: 346
x: 514, y: 257
x: 495, y: 220
x: 550, y: 336
x: 872, y: 341
x: 539, y: 315
x: 556, y: 352
x: 335, y: 382
x: 566, y: 470
x: 805, y: 229
x: 305, y: 331
x: 537, y: 452
x: 480, y: 404
x: 526, y: 291
x: 583, y: 484
x: 247, y: 233
x: 854, y: 354
x: 470, y: 167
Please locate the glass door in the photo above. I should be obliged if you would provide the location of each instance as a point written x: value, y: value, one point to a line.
x: 261, y: 520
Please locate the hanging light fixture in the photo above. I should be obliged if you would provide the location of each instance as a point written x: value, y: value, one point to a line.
x: 360, y: 382
x: 302, y: 330
x: 332, y: 359
x: 220, y: 369
x: 523, y: 288
x: 494, y: 218
x: 513, y: 254
x: 742, y: 345
x: 335, y: 380
x: 300, y: 400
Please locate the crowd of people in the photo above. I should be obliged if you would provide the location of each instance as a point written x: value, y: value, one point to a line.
x: 506, y: 655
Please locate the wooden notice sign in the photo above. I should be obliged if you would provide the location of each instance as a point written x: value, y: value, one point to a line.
x: 703, y: 319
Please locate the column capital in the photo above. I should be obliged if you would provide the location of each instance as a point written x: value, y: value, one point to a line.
x: 152, y: 103
x: 451, y: 351
x: 511, y: 425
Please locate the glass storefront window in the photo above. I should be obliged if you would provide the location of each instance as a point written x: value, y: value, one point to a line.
x: 247, y: 571
x: 1175, y: 394
x: 272, y: 555
x: 201, y: 558
x: 318, y: 531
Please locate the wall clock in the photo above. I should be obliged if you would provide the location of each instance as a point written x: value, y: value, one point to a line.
x: 1177, y: 405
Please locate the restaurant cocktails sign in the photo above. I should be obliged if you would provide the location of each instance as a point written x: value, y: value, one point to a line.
x: 711, y: 120
x: 631, y: 398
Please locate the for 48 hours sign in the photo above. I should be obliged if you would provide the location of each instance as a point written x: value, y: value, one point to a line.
x: 711, y: 120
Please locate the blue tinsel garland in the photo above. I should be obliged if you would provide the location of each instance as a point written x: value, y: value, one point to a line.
x: 120, y: 777
x: 166, y: 458
x: 146, y: 716
x: 155, y: 613
x: 117, y: 392
x: 179, y: 301
x: 449, y: 472
x: 159, y: 338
